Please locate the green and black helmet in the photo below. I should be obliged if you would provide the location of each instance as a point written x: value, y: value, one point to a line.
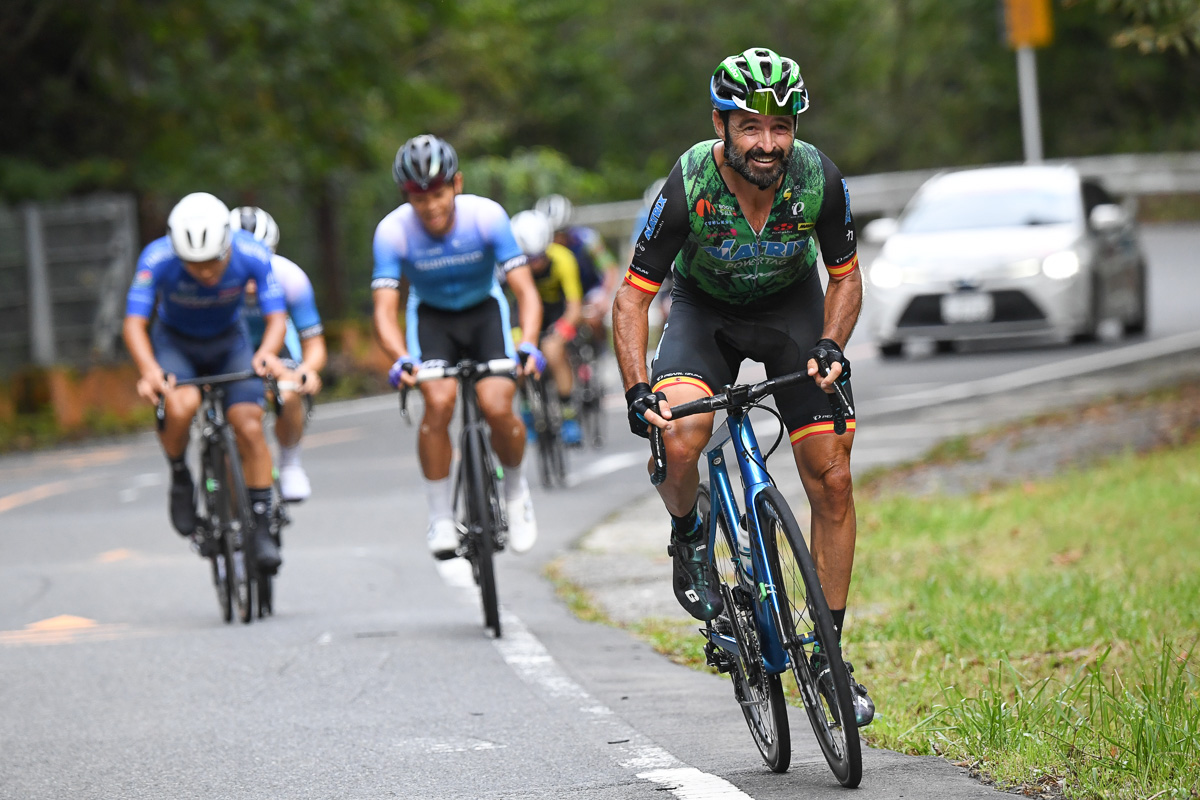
x: 761, y: 81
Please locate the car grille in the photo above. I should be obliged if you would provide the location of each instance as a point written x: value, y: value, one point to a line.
x: 1010, y: 306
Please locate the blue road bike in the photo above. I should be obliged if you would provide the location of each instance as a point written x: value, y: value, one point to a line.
x: 776, y: 619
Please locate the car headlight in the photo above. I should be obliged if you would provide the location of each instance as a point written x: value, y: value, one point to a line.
x: 1061, y: 265
x: 885, y: 274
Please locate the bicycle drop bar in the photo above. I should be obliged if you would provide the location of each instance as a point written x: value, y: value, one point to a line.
x: 740, y: 395
x: 160, y: 410
x: 477, y: 369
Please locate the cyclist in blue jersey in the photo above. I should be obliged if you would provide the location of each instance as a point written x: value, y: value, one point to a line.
x: 447, y: 246
x: 193, y: 281
x: 304, y: 352
x: 738, y: 223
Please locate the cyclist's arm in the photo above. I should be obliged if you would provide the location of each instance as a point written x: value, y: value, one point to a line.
x: 839, y: 250
x: 312, y: 361
x: 136, y: 332
x: 529, y: 303
x: 387, y: 322
x: 272, y: 342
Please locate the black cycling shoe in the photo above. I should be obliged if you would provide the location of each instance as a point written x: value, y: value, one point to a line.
x: 864, y: 706
x: 183, y: 505
x: 206, y: 546
x: 266, y: 552
x: 692, y: 578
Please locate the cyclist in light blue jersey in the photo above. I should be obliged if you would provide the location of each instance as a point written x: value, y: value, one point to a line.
x: 304, y: 352
x: 446, y: 246
x: 194, y: 280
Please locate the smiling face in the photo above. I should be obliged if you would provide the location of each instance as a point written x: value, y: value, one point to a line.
x: 435, y: 208
x: 757, y: 146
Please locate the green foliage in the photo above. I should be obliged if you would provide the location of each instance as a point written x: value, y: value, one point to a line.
x: 1153, y: 27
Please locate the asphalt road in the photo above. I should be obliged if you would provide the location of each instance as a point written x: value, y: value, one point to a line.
x: 375, y: 679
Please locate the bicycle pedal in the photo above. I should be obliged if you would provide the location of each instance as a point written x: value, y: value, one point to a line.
x: 717, y: 658
x: 742, y: 596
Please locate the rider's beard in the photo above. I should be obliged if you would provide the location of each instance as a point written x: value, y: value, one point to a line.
x: 742, y: 164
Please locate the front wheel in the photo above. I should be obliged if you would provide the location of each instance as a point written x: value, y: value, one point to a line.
x: 239, y: 536
x: 806, y: 627
x: 480, y: 524
x: 759, y: 693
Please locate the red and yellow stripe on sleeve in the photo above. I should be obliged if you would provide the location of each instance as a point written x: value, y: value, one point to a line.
x: 842, y: 270
x: 641, y: 284
x: 816, y: 428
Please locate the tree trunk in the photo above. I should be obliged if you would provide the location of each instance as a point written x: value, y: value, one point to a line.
x: 333, y: 271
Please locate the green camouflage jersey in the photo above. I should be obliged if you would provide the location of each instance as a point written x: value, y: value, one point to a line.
x: 697, y: 226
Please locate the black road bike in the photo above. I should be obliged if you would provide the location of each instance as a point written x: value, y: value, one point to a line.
x: 478, y: 509
x: 224, y: 520
x: 584, y: 351
x: 540, y: 397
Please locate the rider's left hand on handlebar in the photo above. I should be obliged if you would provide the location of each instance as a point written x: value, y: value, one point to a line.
x: 404, y: 371
x: 839, y: 366
x: 532, y: 360
x: 646, y: 408
x: 267, y: 363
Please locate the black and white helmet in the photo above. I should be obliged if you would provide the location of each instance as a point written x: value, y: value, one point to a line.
x: 198, y: 228
x: 557, y: 208
x: 424, y: 162
x: 257, y: 222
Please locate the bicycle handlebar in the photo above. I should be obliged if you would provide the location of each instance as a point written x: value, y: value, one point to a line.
x: 208, y: 381
x: 474, y: 369
x: 742, y: 396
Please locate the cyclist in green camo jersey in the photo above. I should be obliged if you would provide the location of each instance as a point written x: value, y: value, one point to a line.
x: 737, y: 224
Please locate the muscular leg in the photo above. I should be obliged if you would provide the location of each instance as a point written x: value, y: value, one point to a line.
x: 824, y: 464
x: 181, y: 406
x: 560, y: 366
x: 246, y: 419
x: 508, y: 432
x: 434, y: 448
x: 289, y: 427
x: 684, y: 441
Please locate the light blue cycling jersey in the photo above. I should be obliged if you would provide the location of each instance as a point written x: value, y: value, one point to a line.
x: 456, y: 271
x: 189, y: 308
x: 303, y: 322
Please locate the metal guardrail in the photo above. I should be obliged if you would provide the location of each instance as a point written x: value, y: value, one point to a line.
x: 884, y: 194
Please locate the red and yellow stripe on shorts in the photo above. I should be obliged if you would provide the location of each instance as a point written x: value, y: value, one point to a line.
x: 642, y: 284
x: 825, y: 426
x: 842, y: 270
x: 677, y: 380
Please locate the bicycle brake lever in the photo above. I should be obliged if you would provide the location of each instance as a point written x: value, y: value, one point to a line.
x: 838, y: 402
x: 658, y: 454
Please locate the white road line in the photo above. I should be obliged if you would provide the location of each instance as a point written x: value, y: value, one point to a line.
x: 634, y: 751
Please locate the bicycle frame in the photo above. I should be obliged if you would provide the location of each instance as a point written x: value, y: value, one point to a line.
x: 754, y: 479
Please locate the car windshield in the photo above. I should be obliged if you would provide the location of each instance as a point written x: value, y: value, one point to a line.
x: 990, y: 208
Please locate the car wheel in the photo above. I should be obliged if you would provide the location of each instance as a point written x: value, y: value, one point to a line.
x: 891, y: 349
x: 1087, y: 333
x: 1138, y: 323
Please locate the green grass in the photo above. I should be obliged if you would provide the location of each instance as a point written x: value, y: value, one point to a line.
x: 1042, y: 632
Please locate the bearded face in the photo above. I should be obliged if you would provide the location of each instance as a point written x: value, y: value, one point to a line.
x: 756, y: 165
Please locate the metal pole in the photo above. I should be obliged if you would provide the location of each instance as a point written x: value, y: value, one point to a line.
x: 41, y: 311
x: 1031, y: 124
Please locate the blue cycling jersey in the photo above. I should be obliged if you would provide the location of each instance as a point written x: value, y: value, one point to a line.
x: 304, y: 320
x: 453, y: 272
x: 189, y: 308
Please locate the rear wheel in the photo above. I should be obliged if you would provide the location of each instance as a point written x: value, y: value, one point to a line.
x: 759, y: 693
x: 806, y: 625
x: 1138, y: 323
x: 891, y: 349
x: 480, y: 528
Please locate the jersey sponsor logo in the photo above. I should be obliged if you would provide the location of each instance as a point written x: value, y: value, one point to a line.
x: 797, y: 208
x: 143, y: 279
x: 730, y: 251
x: 704, y: 208
x: 655, y: 214
x: 846, y: 192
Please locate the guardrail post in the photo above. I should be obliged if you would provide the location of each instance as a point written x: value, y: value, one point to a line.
x: 41, y: 313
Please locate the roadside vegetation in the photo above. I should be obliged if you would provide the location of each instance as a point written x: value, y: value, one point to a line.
x: 1041, y: 633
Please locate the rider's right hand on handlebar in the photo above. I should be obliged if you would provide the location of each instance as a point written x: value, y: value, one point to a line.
x: 403, y: 371
x: 646, y: 408
x: 152, y: 385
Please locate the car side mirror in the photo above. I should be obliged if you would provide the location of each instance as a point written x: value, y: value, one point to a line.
x: 877, y: 231
x: 1107, y: 217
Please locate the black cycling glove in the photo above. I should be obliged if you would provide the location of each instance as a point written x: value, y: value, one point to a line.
x: 829, y: 351
x: 640, y: 400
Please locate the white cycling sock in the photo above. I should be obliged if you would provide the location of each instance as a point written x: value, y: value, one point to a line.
x: 289, y: 456
x: 438, y: 497
x: 514, y: 483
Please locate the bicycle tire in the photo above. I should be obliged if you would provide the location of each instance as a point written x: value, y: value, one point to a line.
x: 547, y: 417
x: 759, y: 694
x: 832, y: 717
x: 590, y: 395
x: 241, y: 544
x: 212, y: 515
x: 480, y: 528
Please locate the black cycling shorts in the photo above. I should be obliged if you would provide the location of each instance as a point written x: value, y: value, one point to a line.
x: 705, y: 346
x: 480, y: 333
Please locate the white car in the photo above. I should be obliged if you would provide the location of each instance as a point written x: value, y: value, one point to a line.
x: 1022, y: 251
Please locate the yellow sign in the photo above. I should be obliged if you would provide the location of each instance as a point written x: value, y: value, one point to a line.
x: 1028, y: 23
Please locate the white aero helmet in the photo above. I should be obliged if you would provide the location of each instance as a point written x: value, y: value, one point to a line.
x: 557, y: 208
x: 199, y: 228
x: 533, y: 232
x: 257, y: 222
